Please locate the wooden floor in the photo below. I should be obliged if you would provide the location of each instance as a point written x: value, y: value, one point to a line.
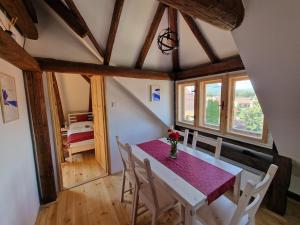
x: 83, y: 168
x: 97, y: 203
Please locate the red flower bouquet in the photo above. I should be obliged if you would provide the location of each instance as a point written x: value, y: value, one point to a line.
x: 173, y: 138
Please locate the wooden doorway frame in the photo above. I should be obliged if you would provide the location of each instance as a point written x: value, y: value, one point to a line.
x: 53, y: 101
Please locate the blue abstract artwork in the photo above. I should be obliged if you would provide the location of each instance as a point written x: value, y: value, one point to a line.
x: 155, y: 93
x: 9, y: 104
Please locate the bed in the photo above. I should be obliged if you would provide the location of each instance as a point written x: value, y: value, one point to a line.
x: 80, y: 134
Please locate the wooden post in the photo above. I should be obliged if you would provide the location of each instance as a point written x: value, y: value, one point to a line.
x: 58, y: 102
x: 40, y: 135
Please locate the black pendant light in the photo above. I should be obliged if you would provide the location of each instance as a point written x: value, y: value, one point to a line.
x: 167, y: 41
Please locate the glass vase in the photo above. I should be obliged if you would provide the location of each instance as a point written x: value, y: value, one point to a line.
x: 173, y: 152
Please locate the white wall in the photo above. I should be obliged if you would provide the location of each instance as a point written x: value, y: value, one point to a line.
x: 19, y: 201
x: 269, y: 44
x: 129, y: 119
x: 74, y: 92
x: 140, y: 88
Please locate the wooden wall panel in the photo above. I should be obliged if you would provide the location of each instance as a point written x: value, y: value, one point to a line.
x: 56, y: 124
x: 40, y: 135
x: 100, y: 128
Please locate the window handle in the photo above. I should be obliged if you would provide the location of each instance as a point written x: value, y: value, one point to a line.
x: 222, y: 105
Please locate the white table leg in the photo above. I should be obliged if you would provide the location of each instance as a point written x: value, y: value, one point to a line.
x: 189, y: 216
x: 237, y: 188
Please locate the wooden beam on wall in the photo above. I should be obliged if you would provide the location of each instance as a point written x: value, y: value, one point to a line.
x: 200, y: 37
x: 227, y: 14
x: 150, y: 36
x: 77, y: 13
x: 86, y: 78
x: 113, y: 30
x: 60, y: 110
x: 62, y: 10
x: 227, y: 65
x: 172, y: 14
x: 40, y: 134
x: 31, y: 10
x: 24, y: 22
x: 15, y: 54
x: 54, y: 65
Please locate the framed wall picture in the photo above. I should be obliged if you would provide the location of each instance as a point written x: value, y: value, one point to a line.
x: 9, y: 103
x: 155, y: 93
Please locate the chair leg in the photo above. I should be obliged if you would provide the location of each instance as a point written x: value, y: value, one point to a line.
x: 135, y: 205
x: 182, y: 214
x: 154, y: 219
x: 123, y: 186
x: 130, y: 187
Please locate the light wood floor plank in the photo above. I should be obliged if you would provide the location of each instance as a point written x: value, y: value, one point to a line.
x: 84, y: 167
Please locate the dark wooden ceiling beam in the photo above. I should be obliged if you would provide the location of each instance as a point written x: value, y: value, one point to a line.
x: 150, y: 36
x: 86, y: 78
x: 77, y: 13
x: 113, y: 30
x: 15, y: 54
x: 60, y: 110
x: 227, y: 14
x: 172, y: 15
x: 31, y: 10
x: 200, y: 37
x: 54, y: 65
x: 227, y: 65
x: 65, y: 13
x: 24, y: 22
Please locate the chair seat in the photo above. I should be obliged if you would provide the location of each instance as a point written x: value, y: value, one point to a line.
x: 219, y: 212
x: 165, y: 200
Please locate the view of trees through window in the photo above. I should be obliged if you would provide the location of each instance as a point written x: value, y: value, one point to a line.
x: 247, y: 114
x: 212, y: 104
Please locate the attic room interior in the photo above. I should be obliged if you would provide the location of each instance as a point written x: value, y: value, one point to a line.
x: 136, y: 112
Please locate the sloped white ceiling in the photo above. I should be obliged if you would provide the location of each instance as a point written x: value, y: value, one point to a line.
x: 56, y: 40
x: 269, y: 44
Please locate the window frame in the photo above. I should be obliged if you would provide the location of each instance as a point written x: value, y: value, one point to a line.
x: 201, y: 102
x: 179, y: 111
x: 225, y: 117
x: 232, y: 79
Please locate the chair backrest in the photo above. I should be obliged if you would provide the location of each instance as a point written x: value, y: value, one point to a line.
x: 144, y: 180
x: 184, y: 134
x: 124, y: 153
x: 258, y: 192
x: 210, y: 141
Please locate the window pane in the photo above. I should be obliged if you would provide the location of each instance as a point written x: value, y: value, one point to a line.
x: 212, y: 102
x: 186, y: 103
x: 247, y: 115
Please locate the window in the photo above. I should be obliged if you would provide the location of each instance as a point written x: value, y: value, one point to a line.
x: 226, y: 105
x: 246, y: 116
x: 210, y: 104
x: 186, y: 99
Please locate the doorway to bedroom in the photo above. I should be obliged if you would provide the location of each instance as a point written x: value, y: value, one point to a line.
x: 78, y: 115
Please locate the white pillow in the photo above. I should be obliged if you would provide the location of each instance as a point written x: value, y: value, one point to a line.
x: 82, y: 124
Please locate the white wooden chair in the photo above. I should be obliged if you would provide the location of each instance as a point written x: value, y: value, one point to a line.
x: 184, y: 134
x: 152, y: 193
x: 224, y: 212
x: 210, y: 141
x: 127, y: 171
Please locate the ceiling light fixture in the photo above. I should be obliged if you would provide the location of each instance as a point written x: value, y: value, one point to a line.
x: 167, y: 41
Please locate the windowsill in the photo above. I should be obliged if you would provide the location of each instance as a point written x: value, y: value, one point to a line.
x: 268, y: 145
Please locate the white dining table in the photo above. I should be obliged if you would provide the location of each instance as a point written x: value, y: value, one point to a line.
x: 189, y: 197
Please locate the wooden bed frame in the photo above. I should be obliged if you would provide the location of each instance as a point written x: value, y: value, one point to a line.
x: 72, y: 118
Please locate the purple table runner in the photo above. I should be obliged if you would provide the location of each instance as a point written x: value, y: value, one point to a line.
x: 207, y: 178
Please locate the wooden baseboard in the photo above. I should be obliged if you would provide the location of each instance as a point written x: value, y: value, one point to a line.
x: 294, y: 196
